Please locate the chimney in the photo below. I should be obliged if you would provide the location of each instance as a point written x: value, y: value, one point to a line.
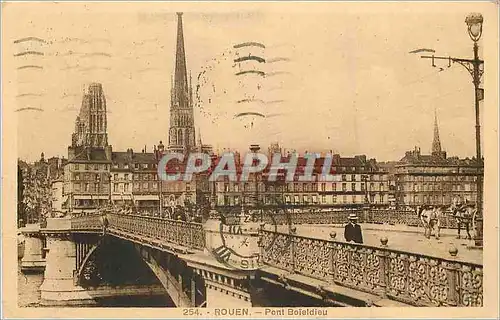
x: 71, y: 153
x: 108, y: 151
x: 336, y: 158
x: 130, y: 153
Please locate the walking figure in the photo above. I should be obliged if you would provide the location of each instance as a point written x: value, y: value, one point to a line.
x: 352, y: 230
x: 104, y: 222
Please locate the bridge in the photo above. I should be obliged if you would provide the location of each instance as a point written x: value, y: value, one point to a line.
x: 261, y: 264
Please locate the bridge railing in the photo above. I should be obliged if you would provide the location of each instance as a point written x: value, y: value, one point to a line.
x: 86, y: 222
x: 393, y: 217
x: 188, y: 234
x: 407, y: 277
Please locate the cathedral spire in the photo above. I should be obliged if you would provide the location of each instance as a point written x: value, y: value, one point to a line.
x: 436, y: 143
x: 181, y: 132
x: 199, y: 138
x: 181, y: 81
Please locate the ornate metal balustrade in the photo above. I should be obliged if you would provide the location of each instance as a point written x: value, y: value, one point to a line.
x: 392, y: 217
x: 187, y: 234
x: 86, y: 222
x: 407, y: 277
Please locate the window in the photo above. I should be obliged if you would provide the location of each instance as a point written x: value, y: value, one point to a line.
x: 96, y: 166
x: 343, y: 177
x: 334, y: 199
x: 77, y: 187
x: 354, y: 199
x: 226, y: 187
x: 77, y: 176
x: 155, y: 185
x: 136, y: 186
x: 381, y: 186
x: 362, y: 187
x: 136, y: 165
x: 344, y: 187
x: 344, y: 199
x: 145, y: 185
x: 323, y: 187
x: 353, y: 177
x: 86, y: 187
x: 126, y: 187
x: 126, y: 176
x: 287, y: 199
x: 323, y: 199
x: 334, y: 187
x: 145, y: 166
x: 115, y: 176
x: 87, y: 166
x: 353, y: 186
x: 236, y: 187
x: 188, y: 187
x: 76, y: 166
x: 96, y: 187
x: 115, y: 187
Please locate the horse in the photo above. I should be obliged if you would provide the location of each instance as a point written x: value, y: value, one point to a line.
x: 465, y: 215
x: 430, y: 218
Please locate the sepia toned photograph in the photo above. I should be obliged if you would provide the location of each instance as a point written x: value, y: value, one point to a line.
x: 249, y: 160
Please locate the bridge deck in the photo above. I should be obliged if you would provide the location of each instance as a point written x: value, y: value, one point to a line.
x: 405, y: 238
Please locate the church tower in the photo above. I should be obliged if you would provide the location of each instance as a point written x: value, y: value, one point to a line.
x: 91, y: 123
x: 181, y: 135
x: 436, y: 142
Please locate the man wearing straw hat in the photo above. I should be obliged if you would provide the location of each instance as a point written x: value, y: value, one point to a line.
x: 352, y: 230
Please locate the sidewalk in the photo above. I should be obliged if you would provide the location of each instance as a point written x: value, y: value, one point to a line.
x: 394, y: 228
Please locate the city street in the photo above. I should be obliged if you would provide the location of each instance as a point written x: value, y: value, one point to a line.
x: 400, y: 237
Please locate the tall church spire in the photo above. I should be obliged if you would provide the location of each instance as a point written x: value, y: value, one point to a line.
x: 436, y: 143
x: 181, y: 82
x: 181, y: 132
x: 199, y: 138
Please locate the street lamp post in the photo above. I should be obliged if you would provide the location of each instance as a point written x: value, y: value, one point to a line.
x: 98, y: 189
x: 366, y: 205
x: 475, y: 67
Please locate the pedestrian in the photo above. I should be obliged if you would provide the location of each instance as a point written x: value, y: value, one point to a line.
x: 352, y: 230
x: 104, y: 221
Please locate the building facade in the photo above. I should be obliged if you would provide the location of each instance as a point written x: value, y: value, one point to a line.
x: 357, y: 182
x: 435, y: 179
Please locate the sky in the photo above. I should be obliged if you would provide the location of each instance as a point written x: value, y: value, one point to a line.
x: 338, y: 77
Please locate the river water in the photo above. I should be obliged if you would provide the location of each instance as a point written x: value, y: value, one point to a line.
x: 28, y: 288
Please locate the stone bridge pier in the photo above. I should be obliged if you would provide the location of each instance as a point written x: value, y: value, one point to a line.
x: 33, y: 259
x: 59, y: 285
